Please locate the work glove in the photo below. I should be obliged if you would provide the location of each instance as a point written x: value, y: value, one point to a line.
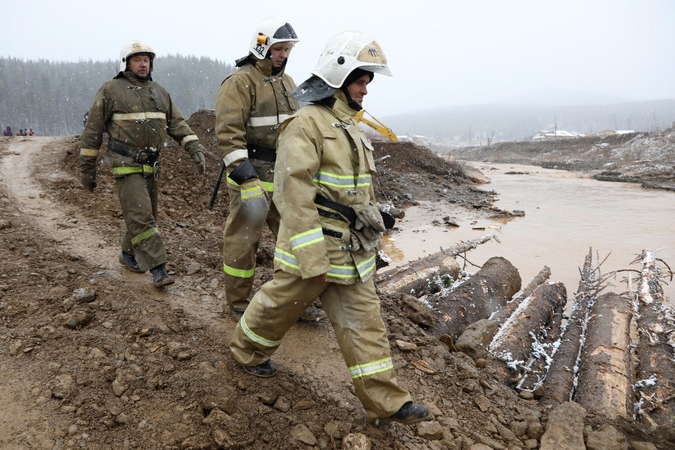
x: 88, y: 181
x: 368, y: 216
x: 200, y: 161
x: 362, y: 243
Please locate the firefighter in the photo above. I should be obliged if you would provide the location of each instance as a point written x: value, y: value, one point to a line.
x: 330, y: 232
x: 251, y: 103
x: 137, y: 114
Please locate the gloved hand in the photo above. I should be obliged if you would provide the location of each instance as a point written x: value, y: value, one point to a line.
x: 252, y: 189
x: 360, y: 242
x: 88, y: 181
x: 200, y: 161
x: 368, y: 216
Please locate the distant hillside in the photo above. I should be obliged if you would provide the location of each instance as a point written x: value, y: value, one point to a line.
x: 473, y: 125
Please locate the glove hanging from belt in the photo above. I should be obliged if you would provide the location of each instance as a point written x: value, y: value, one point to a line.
x: 368, y: 228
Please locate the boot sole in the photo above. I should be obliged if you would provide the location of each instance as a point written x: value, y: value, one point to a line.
x: 165, y: 282
x: 130, y: 269
x: 258, y: 374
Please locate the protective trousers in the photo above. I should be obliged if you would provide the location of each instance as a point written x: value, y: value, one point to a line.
x: 138, y: 199
x: 354, y: 312
x: 241, y: 237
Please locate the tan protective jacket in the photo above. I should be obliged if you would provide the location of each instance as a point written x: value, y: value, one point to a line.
x: 250, y: 106
x: 137, y: 113
x: 322, y: 151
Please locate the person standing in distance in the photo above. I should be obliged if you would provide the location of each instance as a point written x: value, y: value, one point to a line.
x: 252, y: 102
x: 137, y: 114
x: 330, y: 232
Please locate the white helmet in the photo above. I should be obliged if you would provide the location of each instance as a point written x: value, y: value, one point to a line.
x: 132, y: 48
x: 269, y: 32
x: 346, y: 52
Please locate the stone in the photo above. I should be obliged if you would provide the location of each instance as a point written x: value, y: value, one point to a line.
x: 430, y: 430
x: 282, y: 405
x: 565, y: 428
x: 356, y: 441
x: 476, y: 337
x: 119, y: 387
x: 63, y: 386
x: 84, y: 295
x: 606, y: 438
x: 193, y: 268
x: 643, y: 446
x: 302, y: 434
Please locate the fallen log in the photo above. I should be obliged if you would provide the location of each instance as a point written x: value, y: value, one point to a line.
x: 656, y: 370
x: 503, y: 314
x: 518, y: 343
x: 486, y: 291
x: 605, y: 375
x: 476, y: 338
x: 426, y: 275
x: 558, y: 383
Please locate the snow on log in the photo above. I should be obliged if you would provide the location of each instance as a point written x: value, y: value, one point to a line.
x: 486, y: 291
x: 425, y: 275
x: 503, y: 314
x: 420, y: 276
x: 518, y: 342
x: 605, y: 373
x: 656, y: 328
x: 559, y: 382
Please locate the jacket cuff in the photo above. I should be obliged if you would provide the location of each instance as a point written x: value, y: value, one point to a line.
x: 244, y: 171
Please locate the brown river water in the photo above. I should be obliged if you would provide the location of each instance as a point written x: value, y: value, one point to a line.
x: 565, y: 215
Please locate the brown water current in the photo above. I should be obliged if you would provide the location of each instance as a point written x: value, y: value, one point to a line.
x: 565, y: 215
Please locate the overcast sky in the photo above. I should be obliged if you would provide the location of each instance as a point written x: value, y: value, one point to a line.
x: 441, y: 53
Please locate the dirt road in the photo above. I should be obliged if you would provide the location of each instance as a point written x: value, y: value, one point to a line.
x: 93, y: 356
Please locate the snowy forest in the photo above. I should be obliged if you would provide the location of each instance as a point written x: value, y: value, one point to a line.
x: 52, y: 97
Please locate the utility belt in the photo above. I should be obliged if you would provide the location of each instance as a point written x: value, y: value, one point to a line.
x: 261, y: 152
x: 347, y: 212
x: 140, y: 155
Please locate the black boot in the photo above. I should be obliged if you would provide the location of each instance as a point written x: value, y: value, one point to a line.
x: 410, y: 413
x: 264, y: 370
x: 160, y: 277
x: 129, y: 260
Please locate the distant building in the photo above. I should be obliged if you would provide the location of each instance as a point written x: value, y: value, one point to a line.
x: 549, y: 135
x: 614, y: 132
x: 415, y: 139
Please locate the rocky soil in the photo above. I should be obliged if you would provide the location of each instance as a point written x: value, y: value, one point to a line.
x: 92, y: 356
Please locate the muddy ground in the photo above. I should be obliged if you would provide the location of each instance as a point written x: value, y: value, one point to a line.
x: 93, y: 356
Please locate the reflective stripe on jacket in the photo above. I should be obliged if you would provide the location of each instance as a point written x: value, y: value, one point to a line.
x: 322, y: 151
x: 251, y: 104
x: 137, y: 113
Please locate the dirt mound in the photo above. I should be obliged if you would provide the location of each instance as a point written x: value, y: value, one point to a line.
x: 92, y: 356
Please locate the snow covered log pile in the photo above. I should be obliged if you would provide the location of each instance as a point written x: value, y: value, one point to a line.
x: 655, y: 389
x: 526, y: 341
